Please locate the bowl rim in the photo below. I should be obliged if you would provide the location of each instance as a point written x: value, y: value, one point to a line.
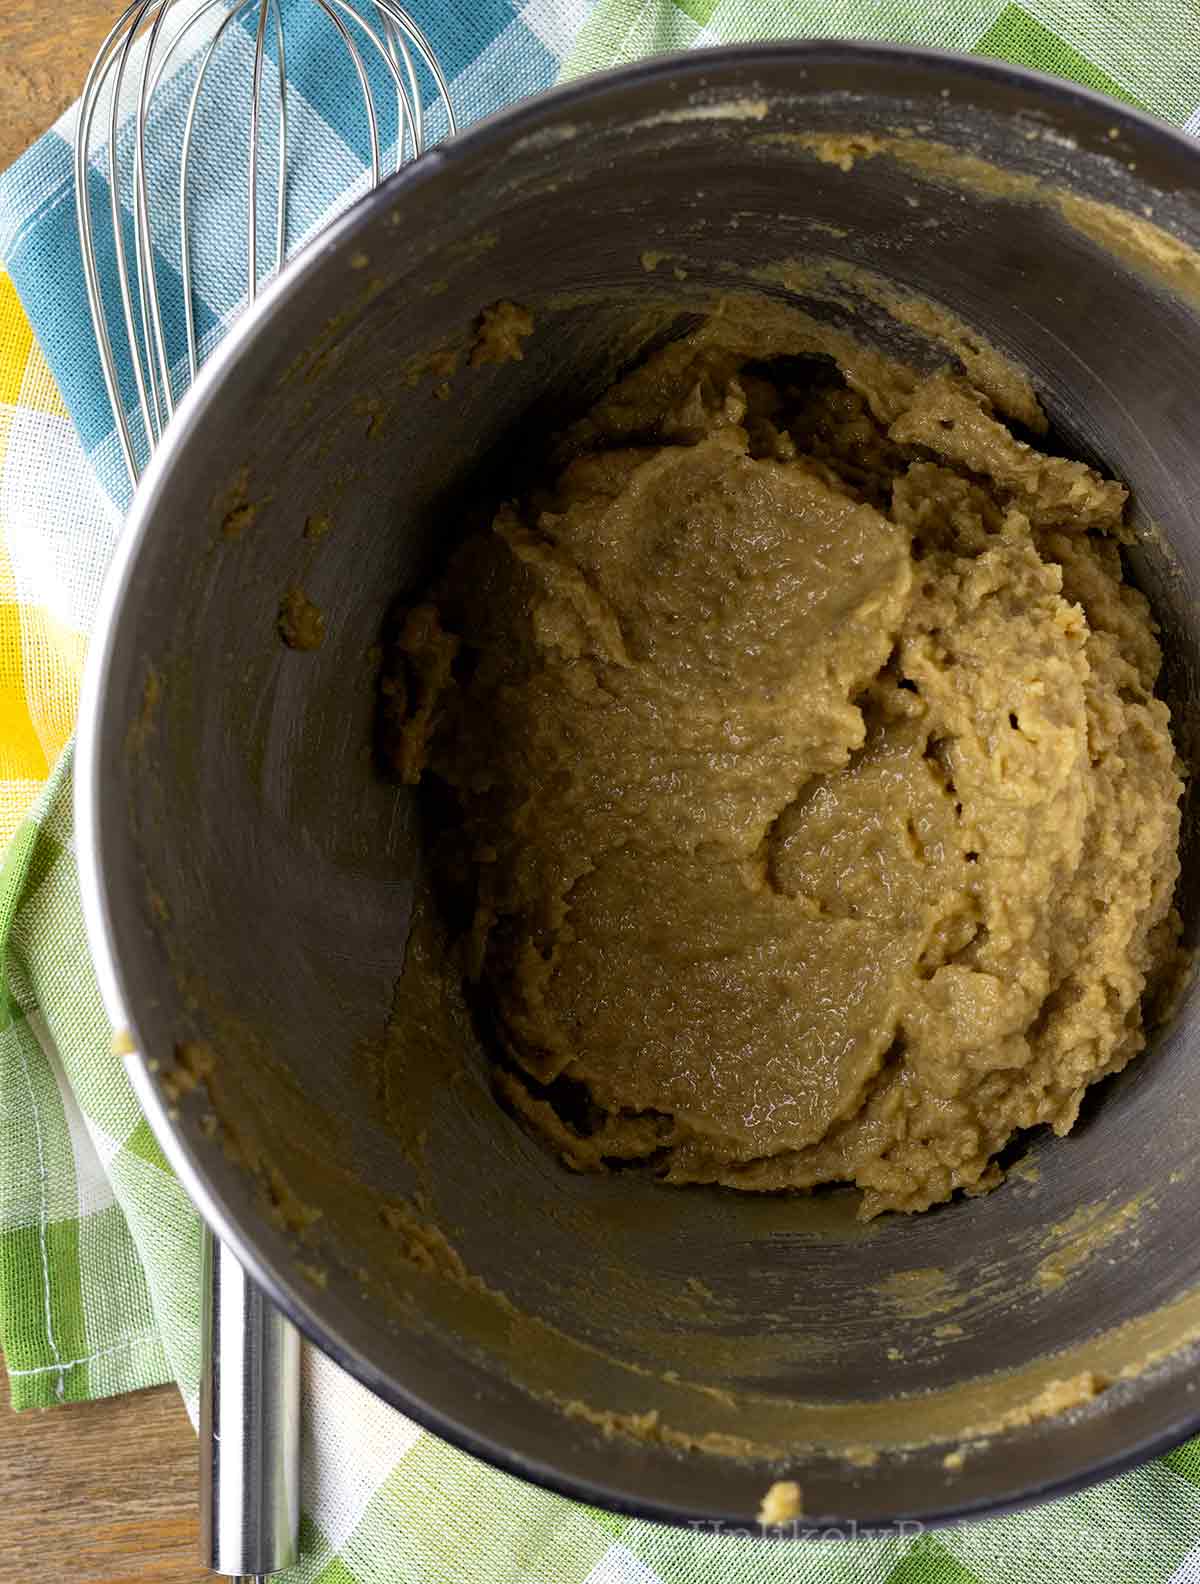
x: 694, y: 71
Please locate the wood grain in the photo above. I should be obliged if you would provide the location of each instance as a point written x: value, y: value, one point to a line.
x: 46, y: 47
x: 99, y: 1493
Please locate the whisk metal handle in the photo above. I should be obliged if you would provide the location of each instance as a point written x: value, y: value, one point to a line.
x: 249, y: 1423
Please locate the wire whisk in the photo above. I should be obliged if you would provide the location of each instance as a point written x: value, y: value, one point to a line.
x: 181, y: 84
x: 145, y: 98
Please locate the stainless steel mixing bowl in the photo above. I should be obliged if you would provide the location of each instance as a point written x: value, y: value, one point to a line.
x: 248, y: 875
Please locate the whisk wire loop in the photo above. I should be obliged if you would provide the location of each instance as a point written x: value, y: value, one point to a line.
x: 148, y: 352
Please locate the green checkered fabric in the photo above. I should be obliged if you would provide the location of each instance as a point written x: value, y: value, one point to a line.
x: 99, y: 1246
x: 1146, y: 54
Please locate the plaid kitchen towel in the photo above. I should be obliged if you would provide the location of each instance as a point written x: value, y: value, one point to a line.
x: 98, y: 1246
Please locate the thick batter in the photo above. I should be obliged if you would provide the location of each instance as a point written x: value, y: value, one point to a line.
x: 815, y: 814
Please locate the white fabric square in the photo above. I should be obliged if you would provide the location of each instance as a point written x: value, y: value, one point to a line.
x: 556, y: 23
x: 618, y: 1565
x: 58, y: 532
x: 91, y: 1181
x: 1188, y: 1571
x: 352, y: 1442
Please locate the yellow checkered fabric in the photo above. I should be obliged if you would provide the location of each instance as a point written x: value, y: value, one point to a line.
x: 41, y: 657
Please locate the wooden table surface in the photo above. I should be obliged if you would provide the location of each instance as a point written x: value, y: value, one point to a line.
x: 99, y: 1493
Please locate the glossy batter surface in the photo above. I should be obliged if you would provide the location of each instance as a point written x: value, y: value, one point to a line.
x: 813, y: 812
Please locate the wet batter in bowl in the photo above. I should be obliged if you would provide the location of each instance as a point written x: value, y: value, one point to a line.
x: 818, y: 817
